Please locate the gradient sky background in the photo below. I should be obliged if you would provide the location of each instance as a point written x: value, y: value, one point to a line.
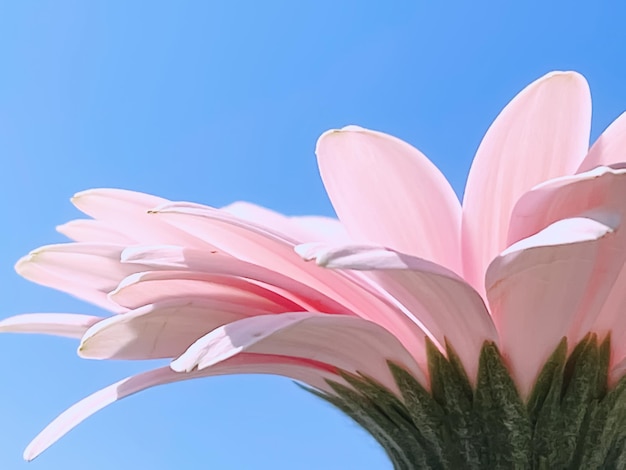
x: 217, y: 101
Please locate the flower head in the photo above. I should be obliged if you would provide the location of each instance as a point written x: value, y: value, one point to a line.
x: 532, y: 261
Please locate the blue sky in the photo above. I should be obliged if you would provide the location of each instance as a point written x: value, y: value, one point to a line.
x: 219, y: 101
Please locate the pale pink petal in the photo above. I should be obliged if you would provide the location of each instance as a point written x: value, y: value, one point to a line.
x: 388, y: 193
x: 93, y: 231
x: 435, y: 298
x: 594, y: 191
x: 161, y: 330
x: 543, y: 133
x: 71, y: 325
x: 264, y: 247
x: 301, y: 229
x: 610, y: 147
x: 128, y: 212
x: 349, y: 343
x: 304, y: 371
x: 88, y: 271
x: 598, y: 194
x: 212, y: 262
x: 154, y: 286
x: 538, y: 287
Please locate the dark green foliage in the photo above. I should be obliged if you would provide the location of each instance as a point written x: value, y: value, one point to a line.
x: 571, y: 420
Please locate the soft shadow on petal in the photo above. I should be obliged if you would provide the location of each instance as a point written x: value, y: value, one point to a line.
x: 71, y: 325
x: 538, y: 287
x: 349, y: 343
x: 541, y: 134
x: 161, y: 330
x: 432, y: 296
x: 388, y: 193
x: 610, y: 148
x: 88, y: 271
x: 262, y: 246
x: 154, y: 286
x: 599, y: 194
x: 304, y: 371
x: 178, y: 258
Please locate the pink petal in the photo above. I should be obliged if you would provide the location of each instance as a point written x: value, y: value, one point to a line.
x: 388, y: 193
x: 154, y: 286
x: 538, y: 287
x: 179, y: 258
x: 433, y: 297
x: 543, y: 133
x: 161, y: 330
x: 128, y: 212
x: 93, y: 231
x: 348, y: 343
x: 296, y: 369
x: 609, y: 148
x: 71, y: 325
x: 302, y: 229
x: 599, y: 194
x: 264, y: 247
x: 597, y: 190
x: 88, y: 271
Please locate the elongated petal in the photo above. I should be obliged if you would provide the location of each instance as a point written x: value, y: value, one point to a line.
x: 304, y: 371
x: 388, y: 193
x: 154, y: 286
x: 433, y: 297
x: 543, y: 133
x: 609, y: 148
x: 160, y: 330
x: 302, y: 229
x: 262, y: 246
x: 179, y: 258
x: 348, y: 343
x: 71, y: 325
x: 88, y: 271
x: 93, y: 231
x: 538, y: 287
x: 127, y: 211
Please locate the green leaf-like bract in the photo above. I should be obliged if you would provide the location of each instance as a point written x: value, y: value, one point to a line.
x: 571, y: 419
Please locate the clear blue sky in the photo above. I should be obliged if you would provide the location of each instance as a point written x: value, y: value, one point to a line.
x: 222, y: 100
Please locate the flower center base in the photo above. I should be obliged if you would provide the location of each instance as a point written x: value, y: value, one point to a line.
x: 571, y: 420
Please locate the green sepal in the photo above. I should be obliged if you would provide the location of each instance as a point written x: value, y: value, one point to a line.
x: 572, y: 419
x: 505, y: 425
x: 451, y: 389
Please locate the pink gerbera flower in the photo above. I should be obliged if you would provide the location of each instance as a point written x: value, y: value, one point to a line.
x: 483, y: 335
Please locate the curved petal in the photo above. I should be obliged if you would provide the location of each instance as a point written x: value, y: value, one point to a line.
x: 93, y: 231
x: 348, y: 343
x: 388, y: 193
x: 597, y: 190
x: 71, y: 325
x: 212, y: 262
x: 154, y: 286
x: 304, y: 371
x: 161, y: 330
x: 303, y: 228
x: 435, y: 298
x: 538, y: 287
x: 262, y: 246
x: 543, y: 133
x: 609, y: 148
x: 128, y: 212
x: 600, y: 194
x: 88, y: 271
